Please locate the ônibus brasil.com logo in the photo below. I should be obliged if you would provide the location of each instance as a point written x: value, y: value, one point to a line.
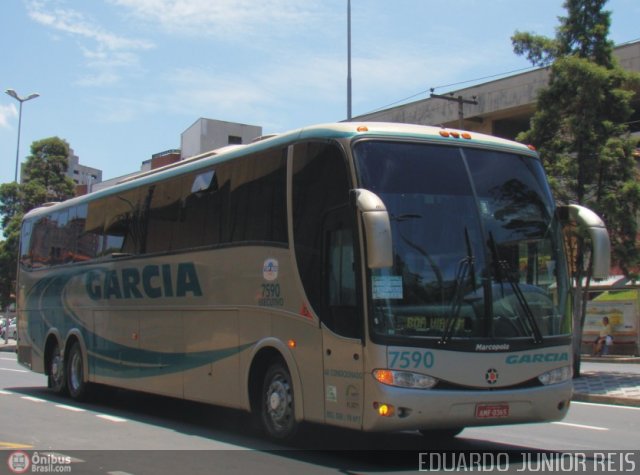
x: 19, y: 462
x: 46, y: 462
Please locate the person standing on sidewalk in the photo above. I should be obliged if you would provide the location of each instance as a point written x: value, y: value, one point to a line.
x: 604, y: 339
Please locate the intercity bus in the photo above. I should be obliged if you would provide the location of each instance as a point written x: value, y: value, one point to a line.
x: 371, y: 276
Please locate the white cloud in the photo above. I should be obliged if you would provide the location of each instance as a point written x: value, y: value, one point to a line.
x: 76, y: 24
x: 107, y: 54
x: 222, y: 18
x: 7, y: 112
x: 200, y: 91
x: 120, y: 109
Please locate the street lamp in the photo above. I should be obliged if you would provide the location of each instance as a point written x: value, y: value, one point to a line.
x: 15, y: 95
x: 348, y: 59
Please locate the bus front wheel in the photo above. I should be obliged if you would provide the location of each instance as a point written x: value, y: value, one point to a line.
x: 277, y: 403
x: 76, y: 384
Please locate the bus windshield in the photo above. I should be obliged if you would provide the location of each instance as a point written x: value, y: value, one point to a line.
x: 478, y: 253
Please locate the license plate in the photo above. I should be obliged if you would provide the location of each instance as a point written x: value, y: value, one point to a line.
x: 492, y: 411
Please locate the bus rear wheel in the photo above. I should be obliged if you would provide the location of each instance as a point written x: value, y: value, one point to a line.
x: 277, y: 403
x: 56, y: 379
x: 76, y: 385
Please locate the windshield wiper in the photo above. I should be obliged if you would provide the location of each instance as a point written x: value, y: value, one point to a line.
x: 502, y: 268
x: 425, y: 254
x: 465, y: 267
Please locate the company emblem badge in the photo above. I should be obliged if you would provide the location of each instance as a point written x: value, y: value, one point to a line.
x: 491, y: 376
x: 270, y: 269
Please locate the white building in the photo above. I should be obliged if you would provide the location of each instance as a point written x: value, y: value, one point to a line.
x: 209, y: 134
x: 82, y: 174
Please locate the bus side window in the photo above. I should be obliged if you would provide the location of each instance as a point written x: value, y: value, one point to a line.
x: 41, y: 242
x: 204, y: 214
x: 124, y: 224
x: 163, y: 211
x: 258, y: 200
x: 323, y: 235
x: 26, y: 256
x: 87, y: 239
x: 58, y: 244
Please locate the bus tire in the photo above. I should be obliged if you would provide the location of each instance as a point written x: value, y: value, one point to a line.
x: 76, y: 385
x: 56, y: 380
x: 440, y: 434
x: 277, y: 409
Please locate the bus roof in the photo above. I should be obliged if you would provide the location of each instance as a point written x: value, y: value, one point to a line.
x: 344, y: 130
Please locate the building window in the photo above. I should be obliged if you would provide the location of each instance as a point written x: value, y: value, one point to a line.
x: 234, y: 140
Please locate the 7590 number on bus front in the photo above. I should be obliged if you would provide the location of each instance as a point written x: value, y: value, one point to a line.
x: 410, y: 359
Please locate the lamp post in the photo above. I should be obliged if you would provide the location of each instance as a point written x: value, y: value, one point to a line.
x: 15, y: 95
x: 348, y: 59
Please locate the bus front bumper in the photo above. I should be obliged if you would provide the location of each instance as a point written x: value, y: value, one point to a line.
x: 416, y: 409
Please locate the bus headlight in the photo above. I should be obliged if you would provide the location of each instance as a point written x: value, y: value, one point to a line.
x: 555, y: 376
x: 404, y: 379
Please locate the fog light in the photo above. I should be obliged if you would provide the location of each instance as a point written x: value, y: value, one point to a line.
x: 384, y: 410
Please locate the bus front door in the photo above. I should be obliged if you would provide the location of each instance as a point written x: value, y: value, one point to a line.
x: 343, y: 380
x: 341, y: 326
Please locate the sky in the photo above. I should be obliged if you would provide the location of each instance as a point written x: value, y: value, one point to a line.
x: 120, y: 80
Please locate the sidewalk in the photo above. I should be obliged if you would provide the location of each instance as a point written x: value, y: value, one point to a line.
x: 607, y: 386
x: 594, y: 385
x: 7, y: 347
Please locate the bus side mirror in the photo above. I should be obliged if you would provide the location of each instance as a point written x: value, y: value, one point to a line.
x: 377, y: 228
x: 590, y: 222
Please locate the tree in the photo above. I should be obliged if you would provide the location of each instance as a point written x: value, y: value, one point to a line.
x: 44, y: 180
x: 579, y: 128
x: 46, y: 169
x: 11, y: 213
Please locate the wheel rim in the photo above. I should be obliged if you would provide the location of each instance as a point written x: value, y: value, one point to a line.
x: 279, y: 405
x: 57, y: 369
x: 75, y: 376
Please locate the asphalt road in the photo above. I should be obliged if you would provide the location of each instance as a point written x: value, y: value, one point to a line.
x: 123, y: 432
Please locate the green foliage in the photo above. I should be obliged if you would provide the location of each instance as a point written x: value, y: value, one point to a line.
x: 582, y: 33
x: 539, y: 50
x: 46, y: 168
x: 10, y: 202
x: 579, y: 125
x: 44, y: 180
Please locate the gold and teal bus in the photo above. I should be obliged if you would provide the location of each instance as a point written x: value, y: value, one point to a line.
x: 371, y: 276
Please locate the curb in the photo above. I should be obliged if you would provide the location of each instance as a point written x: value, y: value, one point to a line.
x: 611, y: 359
x: 8, y: 348
x: 601, y: 399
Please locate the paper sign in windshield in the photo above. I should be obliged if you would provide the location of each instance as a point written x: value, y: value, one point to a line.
x: 386, y: 286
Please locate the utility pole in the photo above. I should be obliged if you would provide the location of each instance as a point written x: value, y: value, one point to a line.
x: 460, y: 100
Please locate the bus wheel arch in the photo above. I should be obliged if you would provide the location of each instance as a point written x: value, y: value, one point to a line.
x: 54, y: 366
x: 76, y: 371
